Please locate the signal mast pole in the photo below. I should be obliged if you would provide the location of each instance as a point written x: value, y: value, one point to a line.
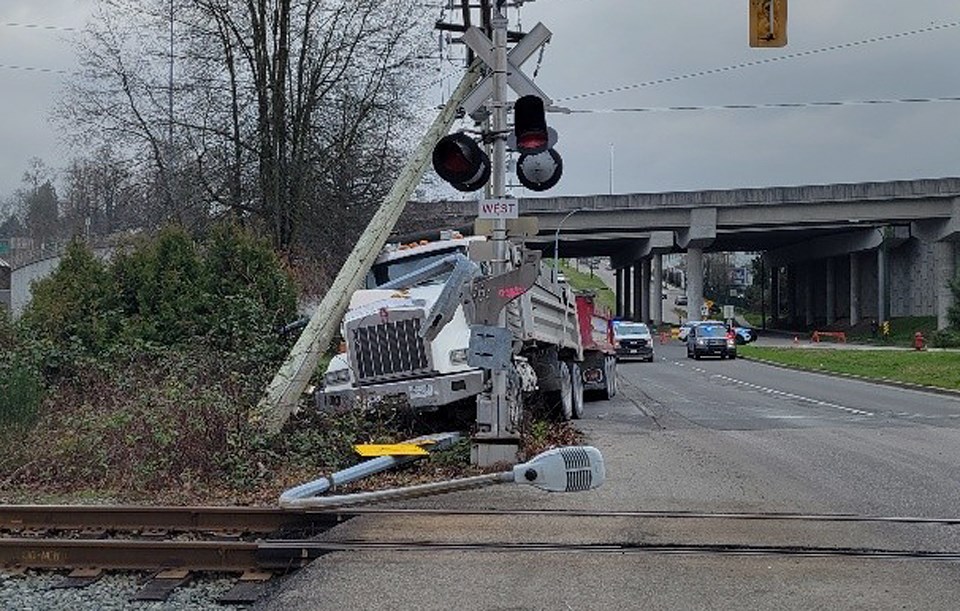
x: 499, y: 403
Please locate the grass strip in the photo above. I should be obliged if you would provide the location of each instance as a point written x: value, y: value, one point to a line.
x: 587, y: 282
x: 939, y: 369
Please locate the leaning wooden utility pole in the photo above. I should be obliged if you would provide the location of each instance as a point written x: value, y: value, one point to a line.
x: 288, y: 385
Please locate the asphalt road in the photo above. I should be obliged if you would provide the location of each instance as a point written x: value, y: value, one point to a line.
x: 689, y: 436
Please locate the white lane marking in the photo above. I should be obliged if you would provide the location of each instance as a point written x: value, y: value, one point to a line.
x: 787, y: 395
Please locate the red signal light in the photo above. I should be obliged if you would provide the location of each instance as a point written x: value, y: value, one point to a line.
x: 530, y: 125
x: 460, y: 161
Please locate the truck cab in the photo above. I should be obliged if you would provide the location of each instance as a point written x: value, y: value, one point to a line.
x: 385, y: 355
x: 632, y: 340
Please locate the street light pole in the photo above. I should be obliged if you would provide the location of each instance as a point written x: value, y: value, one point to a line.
x: 556, y: 243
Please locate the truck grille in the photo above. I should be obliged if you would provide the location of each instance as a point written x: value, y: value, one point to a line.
x: 388, y: 350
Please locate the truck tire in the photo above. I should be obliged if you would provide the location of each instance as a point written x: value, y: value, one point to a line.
x: 576, y: 379
x: 565, y: 398
x: 609, y: 378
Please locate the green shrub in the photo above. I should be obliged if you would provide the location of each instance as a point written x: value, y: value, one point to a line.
x: 21, y: 391
x: 71, y: 308
x: 160, y: 286
x: 168, y: 290
x: 945, y: 338
x: 153, y: 361
x: 21, y: 384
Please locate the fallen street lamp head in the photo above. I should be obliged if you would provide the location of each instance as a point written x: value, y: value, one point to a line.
x: 566, y: 469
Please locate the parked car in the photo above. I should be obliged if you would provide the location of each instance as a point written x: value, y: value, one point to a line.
x: 632, y: 340
x: 685, y: 330
x: 709, y: 338
x: 744, y: 335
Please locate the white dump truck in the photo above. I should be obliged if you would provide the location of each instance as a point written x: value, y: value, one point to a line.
x: 407, y: 334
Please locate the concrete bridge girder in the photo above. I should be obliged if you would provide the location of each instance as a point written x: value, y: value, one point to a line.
x: 702, y: 230
x: 827, y: 246
x: 658, y: 242
x: 940, y: 230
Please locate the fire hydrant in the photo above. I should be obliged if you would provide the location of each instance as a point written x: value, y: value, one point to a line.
x: 918, y: 341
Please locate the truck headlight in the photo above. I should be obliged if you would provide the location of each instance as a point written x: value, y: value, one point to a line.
x: 731, y: 343
x: 701, y: 341
x: 458, y: 356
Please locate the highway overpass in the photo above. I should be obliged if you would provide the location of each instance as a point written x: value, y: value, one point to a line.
x: 847, y: 251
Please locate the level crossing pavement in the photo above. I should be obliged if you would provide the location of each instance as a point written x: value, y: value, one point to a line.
x: 708, y: 436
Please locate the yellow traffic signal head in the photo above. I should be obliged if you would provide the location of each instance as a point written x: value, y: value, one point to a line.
x: 768, y: 23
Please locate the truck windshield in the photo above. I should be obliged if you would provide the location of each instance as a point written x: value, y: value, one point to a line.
x: 631, y: 328
x: 382, y: 273
x: 711, y: 331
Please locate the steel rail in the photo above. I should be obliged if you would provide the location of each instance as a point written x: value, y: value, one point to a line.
x: 660, y: 515
x: 270, y: 519
x: 282, y: 549
x: 179, y: 519
x: 122, y: 554
x: 233, y: 556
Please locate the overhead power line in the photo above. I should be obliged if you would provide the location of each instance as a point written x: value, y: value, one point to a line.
x: 759, y: 62
x: 36, y: 26
x: 34, y: 69
x: 766, y: 105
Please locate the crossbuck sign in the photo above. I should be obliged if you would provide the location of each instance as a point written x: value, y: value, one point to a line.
x: 518, y: 81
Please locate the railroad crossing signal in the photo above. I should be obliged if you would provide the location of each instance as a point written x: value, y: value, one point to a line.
x: 461, y: 162
x: 539, y: 167
x: 768, y: 23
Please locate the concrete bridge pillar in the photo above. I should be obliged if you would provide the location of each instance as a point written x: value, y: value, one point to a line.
x: 945, y: 269
x: 638, y: 292
x: 775, y: 292
x: 694, y: 282
x: 619, y: 295
x: 657, y: 291
x: 808, y: 278
x: 793, y: 283
x: 627, y: 293
x: 854, y: 289
x: 831, y: 293
x: 647, y: 291
x: 882, y: 284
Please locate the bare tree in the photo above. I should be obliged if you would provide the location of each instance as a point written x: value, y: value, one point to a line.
x: 101, y: 195
x: 286, y: 112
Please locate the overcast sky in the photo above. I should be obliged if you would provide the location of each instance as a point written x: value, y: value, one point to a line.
x: 600, y: 45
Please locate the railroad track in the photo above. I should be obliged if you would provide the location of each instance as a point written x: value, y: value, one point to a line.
x: 257, y: 543
x: 173, y: 544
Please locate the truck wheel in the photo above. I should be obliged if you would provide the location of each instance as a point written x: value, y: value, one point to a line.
x: 565, y: 400
x: 576, y: 379
x: 612, y: 380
